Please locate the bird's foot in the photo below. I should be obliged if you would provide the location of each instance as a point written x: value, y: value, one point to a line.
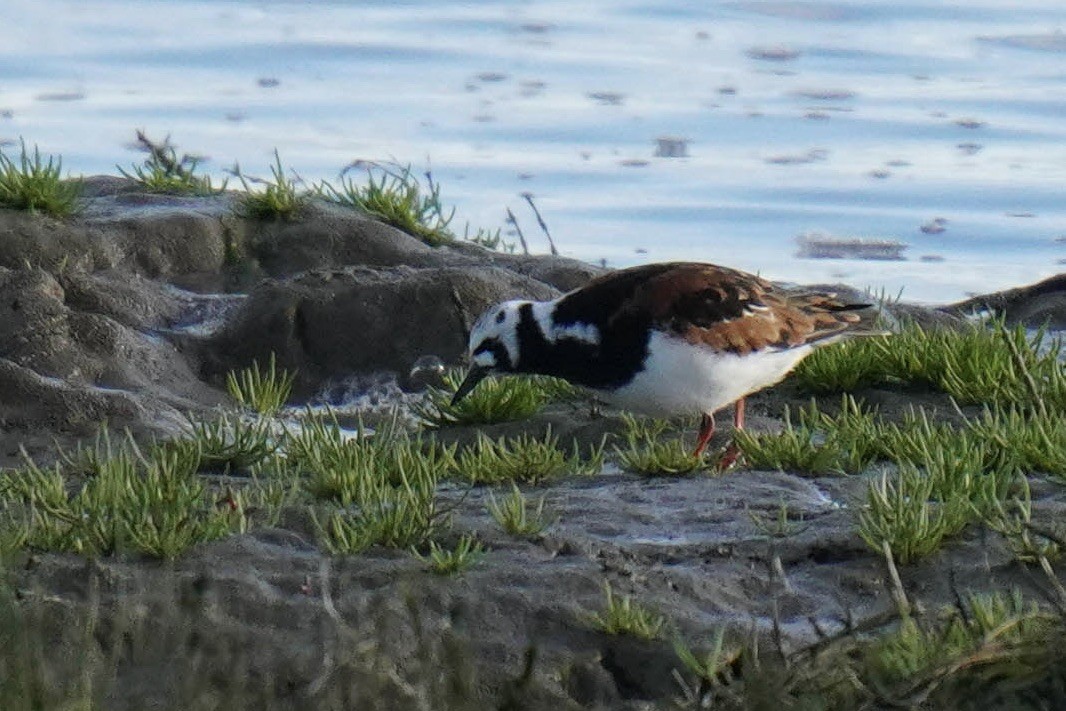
x: 729, y: 458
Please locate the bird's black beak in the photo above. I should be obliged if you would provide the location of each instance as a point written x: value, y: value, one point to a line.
x: 474, y: 376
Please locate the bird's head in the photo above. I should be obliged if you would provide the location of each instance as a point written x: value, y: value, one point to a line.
x: 493, y: 345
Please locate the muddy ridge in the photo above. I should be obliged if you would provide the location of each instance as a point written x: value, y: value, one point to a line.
x: 132, y: 313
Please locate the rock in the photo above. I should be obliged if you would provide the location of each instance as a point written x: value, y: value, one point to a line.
x: 94, y: 329
x: 51, y: 244
x: 893, y: 314
x: 75, y: 359
x: 328, y: 236
x: 328, y: 324
x: 1035, y: 305
x: 563, y: 273
x: 130, y: 299
x: 43, y: 415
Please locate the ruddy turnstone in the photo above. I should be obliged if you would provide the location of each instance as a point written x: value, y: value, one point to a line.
x: 663, y: 339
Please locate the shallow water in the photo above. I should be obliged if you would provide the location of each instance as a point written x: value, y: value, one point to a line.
x: 858, y: 119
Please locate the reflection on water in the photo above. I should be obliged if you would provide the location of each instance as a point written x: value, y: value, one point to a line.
x: 645, y: 130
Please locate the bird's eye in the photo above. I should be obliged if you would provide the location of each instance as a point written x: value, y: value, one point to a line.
x: 500, y: 316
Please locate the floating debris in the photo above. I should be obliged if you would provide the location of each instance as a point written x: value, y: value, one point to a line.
x: 531, y: 87
x: 880, y: 173
x: 970, y: 123
x: 607, y: 98
x: 826, y: 94
x: 931, y: 258
x: 820, y: 245
x: 1044, y: 42
x: 61, y: 96
x: 671, y: 147
x: 773, y: 54
x: 727, y: 90
x: 633, y: 162
x: 268, y: 82
x: 812, y: 156
x: 491, y: 76
x: 935, y: 226
x: 969, y: 149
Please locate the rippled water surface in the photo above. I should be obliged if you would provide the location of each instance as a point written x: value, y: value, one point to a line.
x: 644, y: 130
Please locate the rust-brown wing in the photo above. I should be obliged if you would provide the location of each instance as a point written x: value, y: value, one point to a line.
x: 732, y: 311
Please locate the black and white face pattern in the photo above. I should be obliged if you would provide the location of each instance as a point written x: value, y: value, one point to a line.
x: 494, y: 337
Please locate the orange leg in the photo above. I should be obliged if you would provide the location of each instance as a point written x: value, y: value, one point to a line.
x: 732, y: 452
x: 706, y: 432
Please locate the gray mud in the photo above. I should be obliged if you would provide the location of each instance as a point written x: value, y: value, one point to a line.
x: 131, y: 315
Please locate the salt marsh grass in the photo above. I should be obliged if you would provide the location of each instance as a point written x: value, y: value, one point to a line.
x: 986, y: 363
x: 452, y: 561
x: 522, y: 459
x: 403, y: 516
x: 514, y: 515
x: 163, y: 171
x: 996, y: 650
x: 900, y: 511
x: 493, y: 400
x: 35, y: 184
x: 649, y: 451
x: 623, y: 616
x: 264, y: 390
x: 153, y: 506
x: 382, y: 485
x: 279, y: 199
x: 231, y: 442
x: 393, y: 194
x: 818, y: 444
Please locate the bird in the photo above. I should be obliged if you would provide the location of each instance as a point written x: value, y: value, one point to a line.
x: 663, y: 339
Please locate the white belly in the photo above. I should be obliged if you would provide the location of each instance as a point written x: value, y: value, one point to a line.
x: 679, y: 378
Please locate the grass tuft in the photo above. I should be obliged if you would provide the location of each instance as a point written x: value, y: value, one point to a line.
x: 262, y: 390
x: 622, y: 616
x: 983, y: 640
x: 442, y: 561
x: 34, y: 184
x: 781, y: 524
x: 899, y: 511
x: 515, y: 516
x: 402, y: 516
x: 230, y: 442
x: 163, y: 171
x: 493, y: 400
x: 648, y: 451
x: 986, y: 363
x: 1013, y: 519
x: 714, y: 667
x: 280, y: 198
x: 154, y: 506
x: 522, y: 459
x: 384, y: 483
x: 395, y: 196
